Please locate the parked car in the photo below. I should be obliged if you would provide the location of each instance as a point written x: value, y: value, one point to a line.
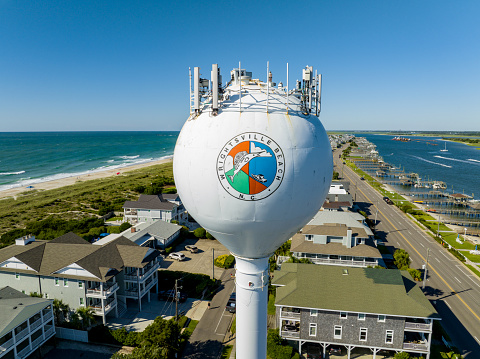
x: 362, y: 179
x: 232, y: 303
x: 387, y: 200
x: 191, y: 248
x: 170, y: 295
x: 177, y: 256
x: 335, y: 350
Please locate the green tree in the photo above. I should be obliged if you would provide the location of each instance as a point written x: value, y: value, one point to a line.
x: 200, y: 232
x: 86, y: 316
x: 335, y: 175
x: 164, y: 334
x: 415, y: 273
x: 401, y: 259
x: 124, y: 226
x: 60, y: 311
x: 209, y: 236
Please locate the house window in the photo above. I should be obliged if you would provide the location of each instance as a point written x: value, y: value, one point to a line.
x: 57, y: 281
x: 80, y: 284
x: 65, y: 282
x: 81, y: 301
x: 17, y: 276
x: 363, y: 334
x: 309, y: 237
x: 389, y: 337
x: 313, y: 312
x: 361, y: 316
x: 337, y: 332
x: 343, y: 315
x: 313, y: 329
x: 381, y: 318
x: 45, y: 295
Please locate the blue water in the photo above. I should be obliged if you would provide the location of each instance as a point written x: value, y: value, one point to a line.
x: 27, y: 158
x: 459, y: 168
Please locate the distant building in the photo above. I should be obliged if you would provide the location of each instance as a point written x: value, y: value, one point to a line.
x: 338, y: 197
x: 158, y: 234
x: 356, y: 309
x: 150, y: 208
x: 26, y: 323
x: 337, y: 238
x: 69, y: 268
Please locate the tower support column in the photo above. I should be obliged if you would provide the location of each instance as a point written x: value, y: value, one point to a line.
x: 251, y: 281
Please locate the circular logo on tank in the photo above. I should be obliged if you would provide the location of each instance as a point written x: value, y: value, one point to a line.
x: 251, y: 166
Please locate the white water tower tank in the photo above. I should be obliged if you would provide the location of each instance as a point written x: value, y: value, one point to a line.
x: 252, y: 176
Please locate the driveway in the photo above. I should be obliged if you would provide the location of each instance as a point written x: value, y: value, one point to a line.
x: 200, y: 262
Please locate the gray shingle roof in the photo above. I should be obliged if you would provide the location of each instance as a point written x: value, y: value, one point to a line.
x: 146, y: 201
x: 158, y: 229
x: 48, y: 257
x: 362, y: 290
x: 16, y: 307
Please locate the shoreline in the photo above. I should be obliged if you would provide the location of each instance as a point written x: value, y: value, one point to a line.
x: 67, y: 181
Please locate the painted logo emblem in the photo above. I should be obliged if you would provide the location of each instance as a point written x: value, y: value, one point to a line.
x: 251, y: 166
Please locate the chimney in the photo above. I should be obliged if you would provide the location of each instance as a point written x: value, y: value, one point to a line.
x: 23, y: 241
x: 349, y: 238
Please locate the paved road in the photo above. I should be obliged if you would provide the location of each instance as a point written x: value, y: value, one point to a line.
x: 207, y: 340
x: 455, y: 290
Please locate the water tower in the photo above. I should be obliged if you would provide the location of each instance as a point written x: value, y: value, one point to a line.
x: 252, y: 165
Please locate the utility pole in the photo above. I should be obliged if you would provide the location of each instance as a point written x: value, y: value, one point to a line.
x: 213, y: 264
x: 176, y: 300
x: 438, y: 227
x: 375, y: 224
x: 425, y: 272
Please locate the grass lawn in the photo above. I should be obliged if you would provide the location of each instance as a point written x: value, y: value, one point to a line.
x: 472, y: 257
x: 271, y: 304
x: 451, y: 238
x: 226, y: 351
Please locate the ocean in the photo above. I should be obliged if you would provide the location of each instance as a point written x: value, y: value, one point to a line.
x: 27, y: 158
x: 459, y: 168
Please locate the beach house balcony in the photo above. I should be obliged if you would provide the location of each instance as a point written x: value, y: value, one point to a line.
x: 101, y: 290
x: 141, y: 274
x: 98, y: 309
x: 418, y: 326
x: 290, y: 313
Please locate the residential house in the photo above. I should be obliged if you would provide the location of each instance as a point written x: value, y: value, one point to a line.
x: 158, y: 234
x: 337, y: 238
x: 26, y: 323
x: 356, y: 309
x: 338, y: 197
x: 69, y: 268
x: 150, y: 208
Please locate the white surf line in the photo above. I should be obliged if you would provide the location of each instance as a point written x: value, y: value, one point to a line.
x: 471, y: 159
x: 455, y: 159
x: 435, y: 163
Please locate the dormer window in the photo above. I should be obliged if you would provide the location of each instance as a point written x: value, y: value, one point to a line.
x: 309, y: 237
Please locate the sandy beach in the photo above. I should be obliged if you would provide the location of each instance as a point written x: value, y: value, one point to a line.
x: 13, y: 192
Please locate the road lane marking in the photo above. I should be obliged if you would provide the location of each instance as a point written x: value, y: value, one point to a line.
x: 421, y: 244
x: 448, y: 305
x: 437, y: 260
x: 460, y: 269
x: 431, y: 267
x: 476, y: 339
x: 443, y: 254
x: 457, y: 279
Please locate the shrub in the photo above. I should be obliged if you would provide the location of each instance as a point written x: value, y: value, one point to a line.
x: 224, y: 261
x: 209, y: 236
x: 415, y: 273
x: 401, y: 259
x: 124, y: 226
x: 200, y: 232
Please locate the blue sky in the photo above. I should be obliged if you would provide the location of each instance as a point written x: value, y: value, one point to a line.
x: 123, y: 65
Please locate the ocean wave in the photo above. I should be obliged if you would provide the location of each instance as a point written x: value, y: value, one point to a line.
x: 11, y: 173
x: 129, y: 157
x: 435, y: 163
x: 33, y: 181
x: 455, y: 159
x: 471, y: 159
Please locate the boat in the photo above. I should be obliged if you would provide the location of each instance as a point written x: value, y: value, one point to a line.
x: 445, y: 149
x: 401, y: 139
